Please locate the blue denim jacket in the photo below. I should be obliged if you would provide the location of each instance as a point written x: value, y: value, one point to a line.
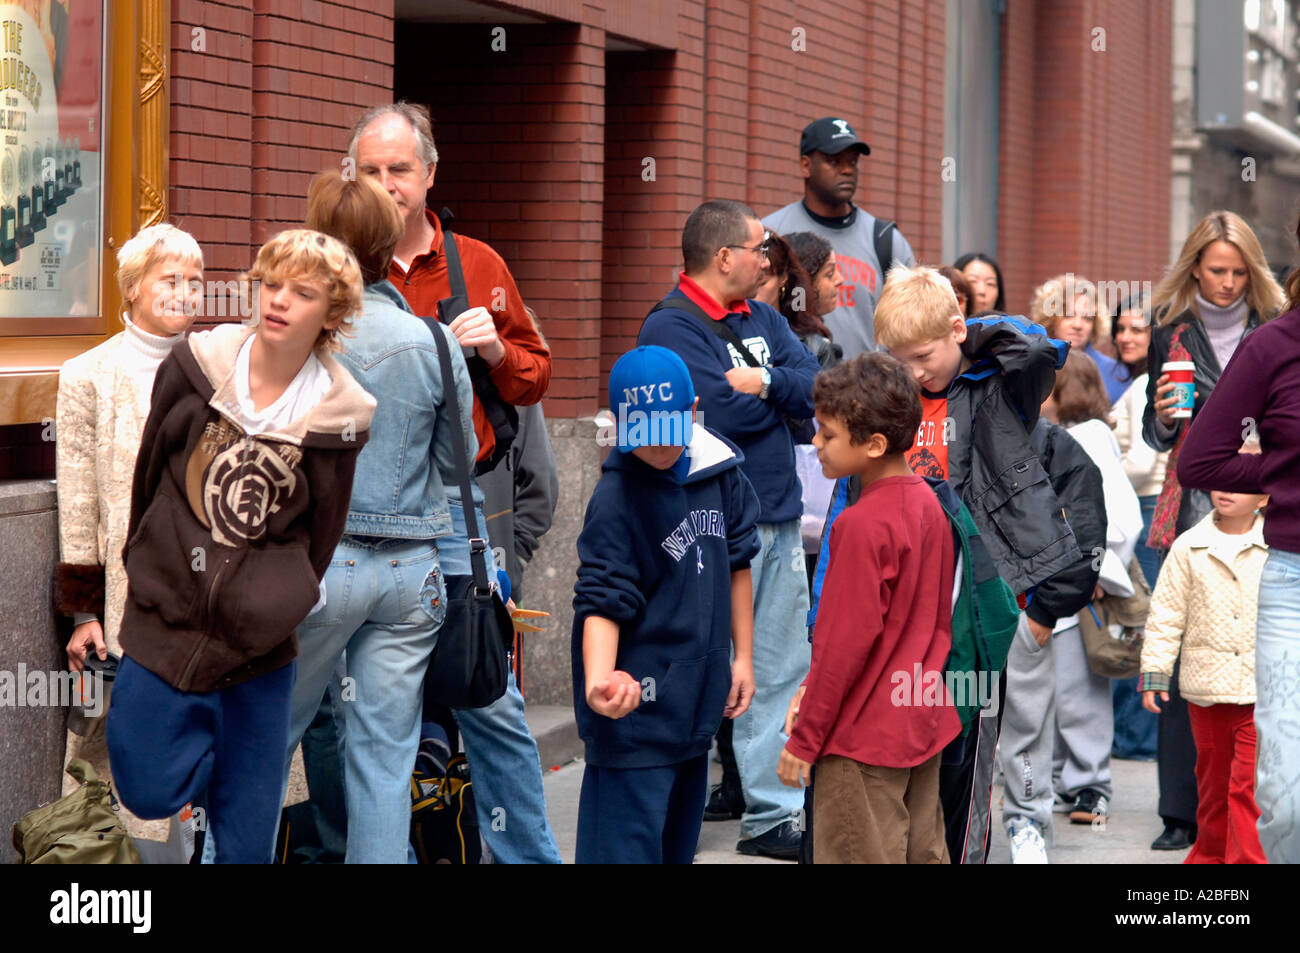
x: 404, y: 472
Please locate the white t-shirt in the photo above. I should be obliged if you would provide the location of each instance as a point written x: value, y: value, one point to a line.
x: 304, y: 392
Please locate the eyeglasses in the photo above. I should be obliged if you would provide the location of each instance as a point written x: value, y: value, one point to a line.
x: 761, y: 248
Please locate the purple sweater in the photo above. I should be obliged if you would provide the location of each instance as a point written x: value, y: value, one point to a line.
x: 1261, y: 384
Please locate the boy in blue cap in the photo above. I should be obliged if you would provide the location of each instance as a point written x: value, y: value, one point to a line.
x: 663, y: 597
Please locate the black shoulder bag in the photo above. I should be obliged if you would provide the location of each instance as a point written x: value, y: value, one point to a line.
x: 801, y: 430
x: 502, y: 415
x: 470, y: 664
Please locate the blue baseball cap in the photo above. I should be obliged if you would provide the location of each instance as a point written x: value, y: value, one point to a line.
x: 651, y: 394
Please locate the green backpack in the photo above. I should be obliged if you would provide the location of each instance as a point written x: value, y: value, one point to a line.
x: 984, y: 618
x: 81, y: 828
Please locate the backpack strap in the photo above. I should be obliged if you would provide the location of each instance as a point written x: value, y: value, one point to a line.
x: 502, y: 416
x: 882, y: 235
x: 680, y: 302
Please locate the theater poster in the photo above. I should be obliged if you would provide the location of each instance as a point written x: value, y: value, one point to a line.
x: 51, y: 174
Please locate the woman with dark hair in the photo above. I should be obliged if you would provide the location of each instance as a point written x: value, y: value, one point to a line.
x: 985, y: 278
x: 1130, y: 332
x: 1260, y: 391
x: 813, y: 259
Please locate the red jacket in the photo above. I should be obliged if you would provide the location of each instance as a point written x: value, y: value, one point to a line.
x: 885, y: 619
x: 522, y: 377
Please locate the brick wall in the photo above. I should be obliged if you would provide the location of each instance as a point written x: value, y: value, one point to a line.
x: 1084, y: 161
x: 263, y: 107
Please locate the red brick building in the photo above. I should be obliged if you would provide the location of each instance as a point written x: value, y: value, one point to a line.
x: 576, y: 136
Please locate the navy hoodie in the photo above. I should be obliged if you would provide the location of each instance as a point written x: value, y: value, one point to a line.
x: 756, y: 426
x: 656, y: 555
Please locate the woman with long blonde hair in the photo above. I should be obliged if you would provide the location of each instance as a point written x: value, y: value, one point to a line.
x: 1216, y: 294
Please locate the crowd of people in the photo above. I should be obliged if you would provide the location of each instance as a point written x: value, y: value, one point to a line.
x: 854, y: 481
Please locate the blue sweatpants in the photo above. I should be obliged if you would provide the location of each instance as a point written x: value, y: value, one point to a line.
x: 641, y: 815
x: 169, y: 747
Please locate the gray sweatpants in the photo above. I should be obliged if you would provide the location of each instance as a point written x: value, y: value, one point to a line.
x: 1057, y: 727
x: 1085, y: 720
x: 1028, y: 733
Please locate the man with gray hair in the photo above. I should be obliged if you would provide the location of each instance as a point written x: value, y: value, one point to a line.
x: 510, y: 365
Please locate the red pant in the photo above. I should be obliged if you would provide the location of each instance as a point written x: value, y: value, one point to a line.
x: 1225, y: 783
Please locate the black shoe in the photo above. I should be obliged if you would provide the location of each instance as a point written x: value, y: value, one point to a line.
x: 1090, y: 807
x: 724, y: 804
x: 1175, y: 837
x: 781, y: 842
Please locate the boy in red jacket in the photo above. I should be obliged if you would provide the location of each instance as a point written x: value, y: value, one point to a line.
x: 885, y: 622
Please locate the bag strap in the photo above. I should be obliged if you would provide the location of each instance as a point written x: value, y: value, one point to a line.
x: 477, y: 545
x: 504, y: 422
x: 681, y: 302
x: 883, y: 237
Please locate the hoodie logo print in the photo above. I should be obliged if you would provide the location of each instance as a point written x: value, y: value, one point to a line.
x: 242, y: 488
x: 697, y: 523
x: 699, y: 559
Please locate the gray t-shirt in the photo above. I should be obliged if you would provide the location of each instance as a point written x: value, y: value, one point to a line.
x: 851, y: 322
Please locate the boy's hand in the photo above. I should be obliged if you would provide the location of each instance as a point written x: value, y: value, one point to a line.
x: 792, y: 713
x: 1149, y: 701
x: 1040, y: 632
x: 793, y: 772
x: 742, y: 689
x: 614, y: 696
x: 747, y: 380
x: 1165, y: 401
x: 87, y: 636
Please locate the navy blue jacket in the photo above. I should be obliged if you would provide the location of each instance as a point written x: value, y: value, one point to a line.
x: 656, y: 555
x: 756, y: 426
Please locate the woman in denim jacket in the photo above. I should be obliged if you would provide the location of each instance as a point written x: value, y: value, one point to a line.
x: 384, y: 595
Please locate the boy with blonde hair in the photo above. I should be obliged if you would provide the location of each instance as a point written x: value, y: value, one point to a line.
x: 240, y: 496
x: 982, y: 383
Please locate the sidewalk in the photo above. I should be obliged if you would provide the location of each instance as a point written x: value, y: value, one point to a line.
x: 1125, y: 839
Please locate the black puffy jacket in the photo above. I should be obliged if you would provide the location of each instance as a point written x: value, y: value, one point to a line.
x: 1077, y: 483
x: 993, y: 407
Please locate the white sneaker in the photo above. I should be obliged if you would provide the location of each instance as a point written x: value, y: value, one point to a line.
x: 1027, y: 845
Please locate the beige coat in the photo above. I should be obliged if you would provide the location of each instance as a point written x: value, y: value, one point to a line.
x: 1205, y: 602
x: 101, y: 415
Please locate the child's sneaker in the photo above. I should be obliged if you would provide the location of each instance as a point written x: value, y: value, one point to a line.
x: 1027, y: 844
x: 1062, y: 804
x: 1090, y: 807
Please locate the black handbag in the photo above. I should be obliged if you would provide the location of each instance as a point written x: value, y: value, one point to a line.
x: 471, y: 661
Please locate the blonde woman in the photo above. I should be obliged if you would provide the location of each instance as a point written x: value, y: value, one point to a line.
x: 1216, y: 294
x: 1069, y: 307
x: 103, y: 403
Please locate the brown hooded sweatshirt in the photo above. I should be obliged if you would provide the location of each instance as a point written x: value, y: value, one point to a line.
x: 231, y: 534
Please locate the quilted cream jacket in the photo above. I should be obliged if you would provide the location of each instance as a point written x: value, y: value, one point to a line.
x: 1205, y: 602
x: 101, y: 414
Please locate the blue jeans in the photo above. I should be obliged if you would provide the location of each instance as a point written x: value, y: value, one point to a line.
x: 169, y: 748
x: 1135, y: 727
x: 384, y: 603
x: 504, y: 763
x: 1277, y: 708
x: 782, y: 657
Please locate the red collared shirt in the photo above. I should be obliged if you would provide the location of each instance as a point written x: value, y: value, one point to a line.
x: 706, y: 301
x: 523, y: 375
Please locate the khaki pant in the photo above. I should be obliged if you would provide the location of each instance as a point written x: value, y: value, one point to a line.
x: 872, y: 815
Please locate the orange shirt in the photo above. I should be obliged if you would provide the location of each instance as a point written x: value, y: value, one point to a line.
x: 929, y: 454
x: 523, y: 375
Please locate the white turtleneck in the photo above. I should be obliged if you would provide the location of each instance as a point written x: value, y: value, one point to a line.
x: 142, y: 352
x: 1224, y: 326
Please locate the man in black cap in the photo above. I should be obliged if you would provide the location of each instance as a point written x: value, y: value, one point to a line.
x: 828, y: 160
